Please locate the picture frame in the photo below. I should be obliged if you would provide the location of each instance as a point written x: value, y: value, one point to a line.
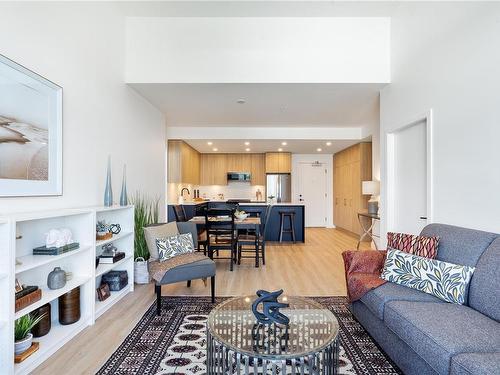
x: 30, y: 132
x: 103, y: 292
x: 18, y: 287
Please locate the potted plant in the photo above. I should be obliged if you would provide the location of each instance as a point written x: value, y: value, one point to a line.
x: 146, y: 212
x: 22, y: 332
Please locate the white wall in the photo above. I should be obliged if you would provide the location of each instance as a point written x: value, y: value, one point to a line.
x: 80, y: 46
x: 446, y: 57
x: 258, y: 49
x: 327, y: 161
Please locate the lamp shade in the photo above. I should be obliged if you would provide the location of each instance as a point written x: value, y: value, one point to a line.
x: 370, y: 187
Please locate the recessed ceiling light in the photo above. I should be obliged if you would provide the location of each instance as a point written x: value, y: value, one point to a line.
x: 247, y: 143
x: 209, y: 143
x: 328, y: 143
x: 283, y: 143
x: 318, y: 149
x: 215, y: 149
x: 241, y: 101
x: 247, y: 149
x: 280, y: 149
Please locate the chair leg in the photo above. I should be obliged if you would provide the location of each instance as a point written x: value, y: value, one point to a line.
x: 158, y: 299
x: 212, y: 288
x: 263, y: 253
x: 292, y: 225
x: 280, y: 239
x: 257, y: 254
x: 189, y: 284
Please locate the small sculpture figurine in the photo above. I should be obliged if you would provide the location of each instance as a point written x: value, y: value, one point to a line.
x: 58, y: 237
x: 270, y: 308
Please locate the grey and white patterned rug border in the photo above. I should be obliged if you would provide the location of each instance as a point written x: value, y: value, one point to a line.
x: 150, y: 347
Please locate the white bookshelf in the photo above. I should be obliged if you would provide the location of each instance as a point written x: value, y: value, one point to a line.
x: 34, y: 270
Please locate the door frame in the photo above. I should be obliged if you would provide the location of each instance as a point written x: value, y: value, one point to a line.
x: 390, y: 165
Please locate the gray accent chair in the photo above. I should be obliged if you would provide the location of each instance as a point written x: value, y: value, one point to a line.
x: 197, y: 270
x: 425, y: 335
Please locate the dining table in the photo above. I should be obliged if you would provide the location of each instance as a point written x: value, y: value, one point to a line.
x: 250, y: 222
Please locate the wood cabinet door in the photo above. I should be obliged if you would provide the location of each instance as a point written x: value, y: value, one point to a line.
x: 285, y: 162
x: 355, y: 200
x: 258, y: 169
x: 272, y: 162
x: 174, y: 161
x: 219, y: 168
x: 336, y: 196
x: 206, y: 173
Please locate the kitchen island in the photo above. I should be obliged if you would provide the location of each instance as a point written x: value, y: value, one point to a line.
x: 272, y: 231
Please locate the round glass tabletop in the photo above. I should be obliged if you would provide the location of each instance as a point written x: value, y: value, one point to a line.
x: 312, y: 327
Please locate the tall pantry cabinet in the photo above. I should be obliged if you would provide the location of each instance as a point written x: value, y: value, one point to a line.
x: 351, y: 166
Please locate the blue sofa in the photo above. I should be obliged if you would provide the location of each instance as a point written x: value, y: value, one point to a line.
x: 425, y: 335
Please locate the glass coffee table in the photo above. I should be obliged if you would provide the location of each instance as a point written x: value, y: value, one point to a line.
x: 237, y: 344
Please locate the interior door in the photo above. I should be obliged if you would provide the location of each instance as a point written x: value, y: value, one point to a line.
x: 312, y: 193
x: 410, y: 178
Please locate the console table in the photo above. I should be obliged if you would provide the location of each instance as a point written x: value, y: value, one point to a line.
x: 237, y: 344
x: 367, y: 230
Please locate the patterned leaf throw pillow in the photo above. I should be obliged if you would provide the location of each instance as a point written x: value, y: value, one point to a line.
x: 412, y: 244
x: 444, y: 280
x: 171, y: 246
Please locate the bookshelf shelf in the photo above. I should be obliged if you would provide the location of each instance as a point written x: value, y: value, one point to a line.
x: 33, y: 261
x: 102, y: 307
x: 103, y: 268
x: 115, y: 237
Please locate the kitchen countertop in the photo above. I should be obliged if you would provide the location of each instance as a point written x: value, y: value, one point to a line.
x: 191, y: 203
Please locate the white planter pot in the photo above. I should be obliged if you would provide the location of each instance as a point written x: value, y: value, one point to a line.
x: 141, y: 273
x: 22, y: 345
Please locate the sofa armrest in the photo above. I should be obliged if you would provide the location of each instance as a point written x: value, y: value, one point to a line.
x: 187, y: 227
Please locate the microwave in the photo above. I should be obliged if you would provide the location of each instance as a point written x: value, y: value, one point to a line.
x: 238, y: 176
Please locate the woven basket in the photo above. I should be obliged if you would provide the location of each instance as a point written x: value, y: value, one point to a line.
x: 141, y: 273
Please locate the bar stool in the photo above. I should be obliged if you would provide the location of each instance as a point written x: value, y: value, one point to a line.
x: 291, y: 219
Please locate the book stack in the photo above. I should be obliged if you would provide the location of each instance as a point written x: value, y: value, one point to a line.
x: 44, y: 250
x: 110, y: 258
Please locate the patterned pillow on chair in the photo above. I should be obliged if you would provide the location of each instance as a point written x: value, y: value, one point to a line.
x: 412, y: 244
x: 171, y: 246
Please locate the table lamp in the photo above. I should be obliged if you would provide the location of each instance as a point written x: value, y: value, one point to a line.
x: 371, y: 188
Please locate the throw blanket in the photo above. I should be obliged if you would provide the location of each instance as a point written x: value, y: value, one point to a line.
x: 158, y: 269
x: 362, y: 271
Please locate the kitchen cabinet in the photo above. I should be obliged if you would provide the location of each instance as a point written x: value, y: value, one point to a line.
x: 213, y: 169
x: 351, y: 166
x: 239, y: 163
x: 278, y: 162
x: 183, y: 163
x: 258, y: 169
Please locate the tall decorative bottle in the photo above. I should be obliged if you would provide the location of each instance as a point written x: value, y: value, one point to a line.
x: 123, y: 195
x: 108, y: 192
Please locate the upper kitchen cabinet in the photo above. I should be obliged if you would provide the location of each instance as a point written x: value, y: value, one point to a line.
x: 258, y: 170
x: 278, y: 162
x: 239, y: 162
x: 213, y: 169
x: 183, y: 163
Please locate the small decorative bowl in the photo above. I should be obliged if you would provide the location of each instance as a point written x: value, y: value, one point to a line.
x: 241, y: 216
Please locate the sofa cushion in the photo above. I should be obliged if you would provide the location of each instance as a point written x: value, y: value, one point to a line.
x: 484, y: 290
x: 376, y: 299
x: 438, y: 331
x: 151, y: 233
x: 444, y: 280
x: 475, y: 364
x: 459, y: 245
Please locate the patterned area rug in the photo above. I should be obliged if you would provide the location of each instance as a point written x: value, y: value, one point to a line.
x: 174, y: 343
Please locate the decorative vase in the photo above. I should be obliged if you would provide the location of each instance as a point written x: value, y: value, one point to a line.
x: 56, y: 278
x: 141, y: 273
x: 44, y: 325
x: 108, y: 192
x: 123, y: 195
x: 22, y: 345
x: 69, y: 307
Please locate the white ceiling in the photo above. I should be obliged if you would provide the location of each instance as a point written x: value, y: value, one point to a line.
x: 269, y: 145
x: 266, y: 104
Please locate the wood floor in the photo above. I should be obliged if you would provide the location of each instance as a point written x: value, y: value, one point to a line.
x: 311, y: 269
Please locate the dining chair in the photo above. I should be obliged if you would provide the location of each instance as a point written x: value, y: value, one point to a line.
x: 180, y: 214
x: 221, y: 233
x: 256, y: 241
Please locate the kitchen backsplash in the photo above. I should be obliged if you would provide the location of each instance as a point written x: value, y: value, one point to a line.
x: 232, y: 190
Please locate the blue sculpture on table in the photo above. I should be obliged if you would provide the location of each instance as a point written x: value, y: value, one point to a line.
x: 270, y: 308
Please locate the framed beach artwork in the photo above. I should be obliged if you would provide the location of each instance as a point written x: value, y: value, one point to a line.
x: 30, y: 133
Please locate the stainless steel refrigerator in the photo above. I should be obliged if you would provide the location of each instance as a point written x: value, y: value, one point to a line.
x: 279, y: 186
